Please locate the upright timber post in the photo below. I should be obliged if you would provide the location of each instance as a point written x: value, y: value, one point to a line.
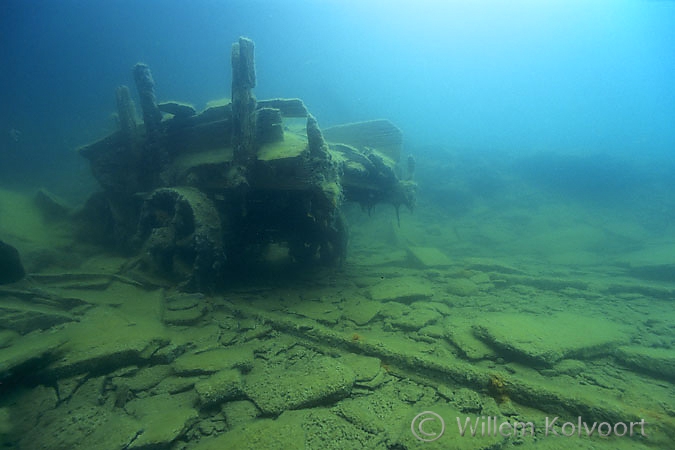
x: 125, y: 113
x: 154, y: 157
x: 243, y: 104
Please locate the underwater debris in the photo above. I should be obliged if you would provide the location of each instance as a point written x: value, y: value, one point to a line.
x: 263, y: 180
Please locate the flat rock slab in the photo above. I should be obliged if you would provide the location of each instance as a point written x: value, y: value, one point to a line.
x: 548, y: 339
x: 165, y: 418
x: 317, y: 310
x: 457, y: 330
x: 462, y: 287
x: 105, y: 339
x: 24, y: 317
x: 219, y: 387
x: 360, y: 311
x: 319, y: 381
x: 29, y: 349
x: 403, y: 289
x: 365, y: 367
x: 428, y: 257
x: 212, y: 361
x: 184, y: 316
x: 294, y: 430
x: 656, y: 361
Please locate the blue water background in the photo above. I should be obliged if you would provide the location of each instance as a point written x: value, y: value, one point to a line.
x: 572, y: 77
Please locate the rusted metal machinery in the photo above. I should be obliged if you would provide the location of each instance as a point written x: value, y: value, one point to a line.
x: 197, y: 195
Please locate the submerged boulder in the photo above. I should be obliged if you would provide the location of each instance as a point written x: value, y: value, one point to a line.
x: 11, y: 269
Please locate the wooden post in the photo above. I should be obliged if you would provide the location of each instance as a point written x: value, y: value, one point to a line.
x: 126, y: 112
x: 152, y: 117
x: 154, y: 156
x: 243, y: 102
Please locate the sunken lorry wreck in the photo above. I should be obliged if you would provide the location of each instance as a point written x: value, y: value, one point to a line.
x: 198, y: 195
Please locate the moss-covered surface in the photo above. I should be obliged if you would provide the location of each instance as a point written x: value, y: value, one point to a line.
x: 346, y: 359
x: 291, y: 147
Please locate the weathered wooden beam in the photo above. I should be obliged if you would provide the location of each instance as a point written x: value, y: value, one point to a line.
x: 243, y: 102
x: 154, y: 156
x: 126, y: 112
x: 152, y: 116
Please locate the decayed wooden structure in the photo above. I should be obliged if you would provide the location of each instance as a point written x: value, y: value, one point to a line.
x: 199, y: 194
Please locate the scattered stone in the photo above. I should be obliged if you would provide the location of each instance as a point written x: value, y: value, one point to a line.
x: 164, y: 419
x: 403, y: 289
x: 320, y: 311
x: 426, y: 257
x: 186, y: 316
x: 571, y: 367
x: 467, y: 401
x: 219, y: 387
x: 32, y: 350
x: 548, y: 339
x: 659, y: 362
x: 239, y: 412
x: 361, y: 311
x: 146, y: 378
x: 432, y: 331
x: 414, y: 319
x: 106, y: 339
x: 379, y: 413
x: 181, y: 301
x: 452, y: 437
x: 283, y: 432
x: 462, y: 287
x: 319, y: 381
x: 459, y: 332
x: 174, y: 385
x: 365, y: 367
x: 212, y: 361
x: 68, y: 386
x: 24, y: 316
x: 326, y: 430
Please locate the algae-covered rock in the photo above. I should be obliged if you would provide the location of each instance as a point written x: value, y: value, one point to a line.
x: 403, y: 289
x: 360, y: 311
x: 426, y: 257
x: 414, y: 319
x: 239, y: 412
x: 107, y: 338
x: 312, y: 382
x: 184, y: 316
x: 214, y: 360
x: 145, y: 379
x: 659, y: 362
x: 548, y: 339
x: 164, y: 419
x: 462, y: 287
x: 30, y: 350
x: 284, y: 432
x: 365, y: 367
x: 219, y: 387
x: 459, y: 332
